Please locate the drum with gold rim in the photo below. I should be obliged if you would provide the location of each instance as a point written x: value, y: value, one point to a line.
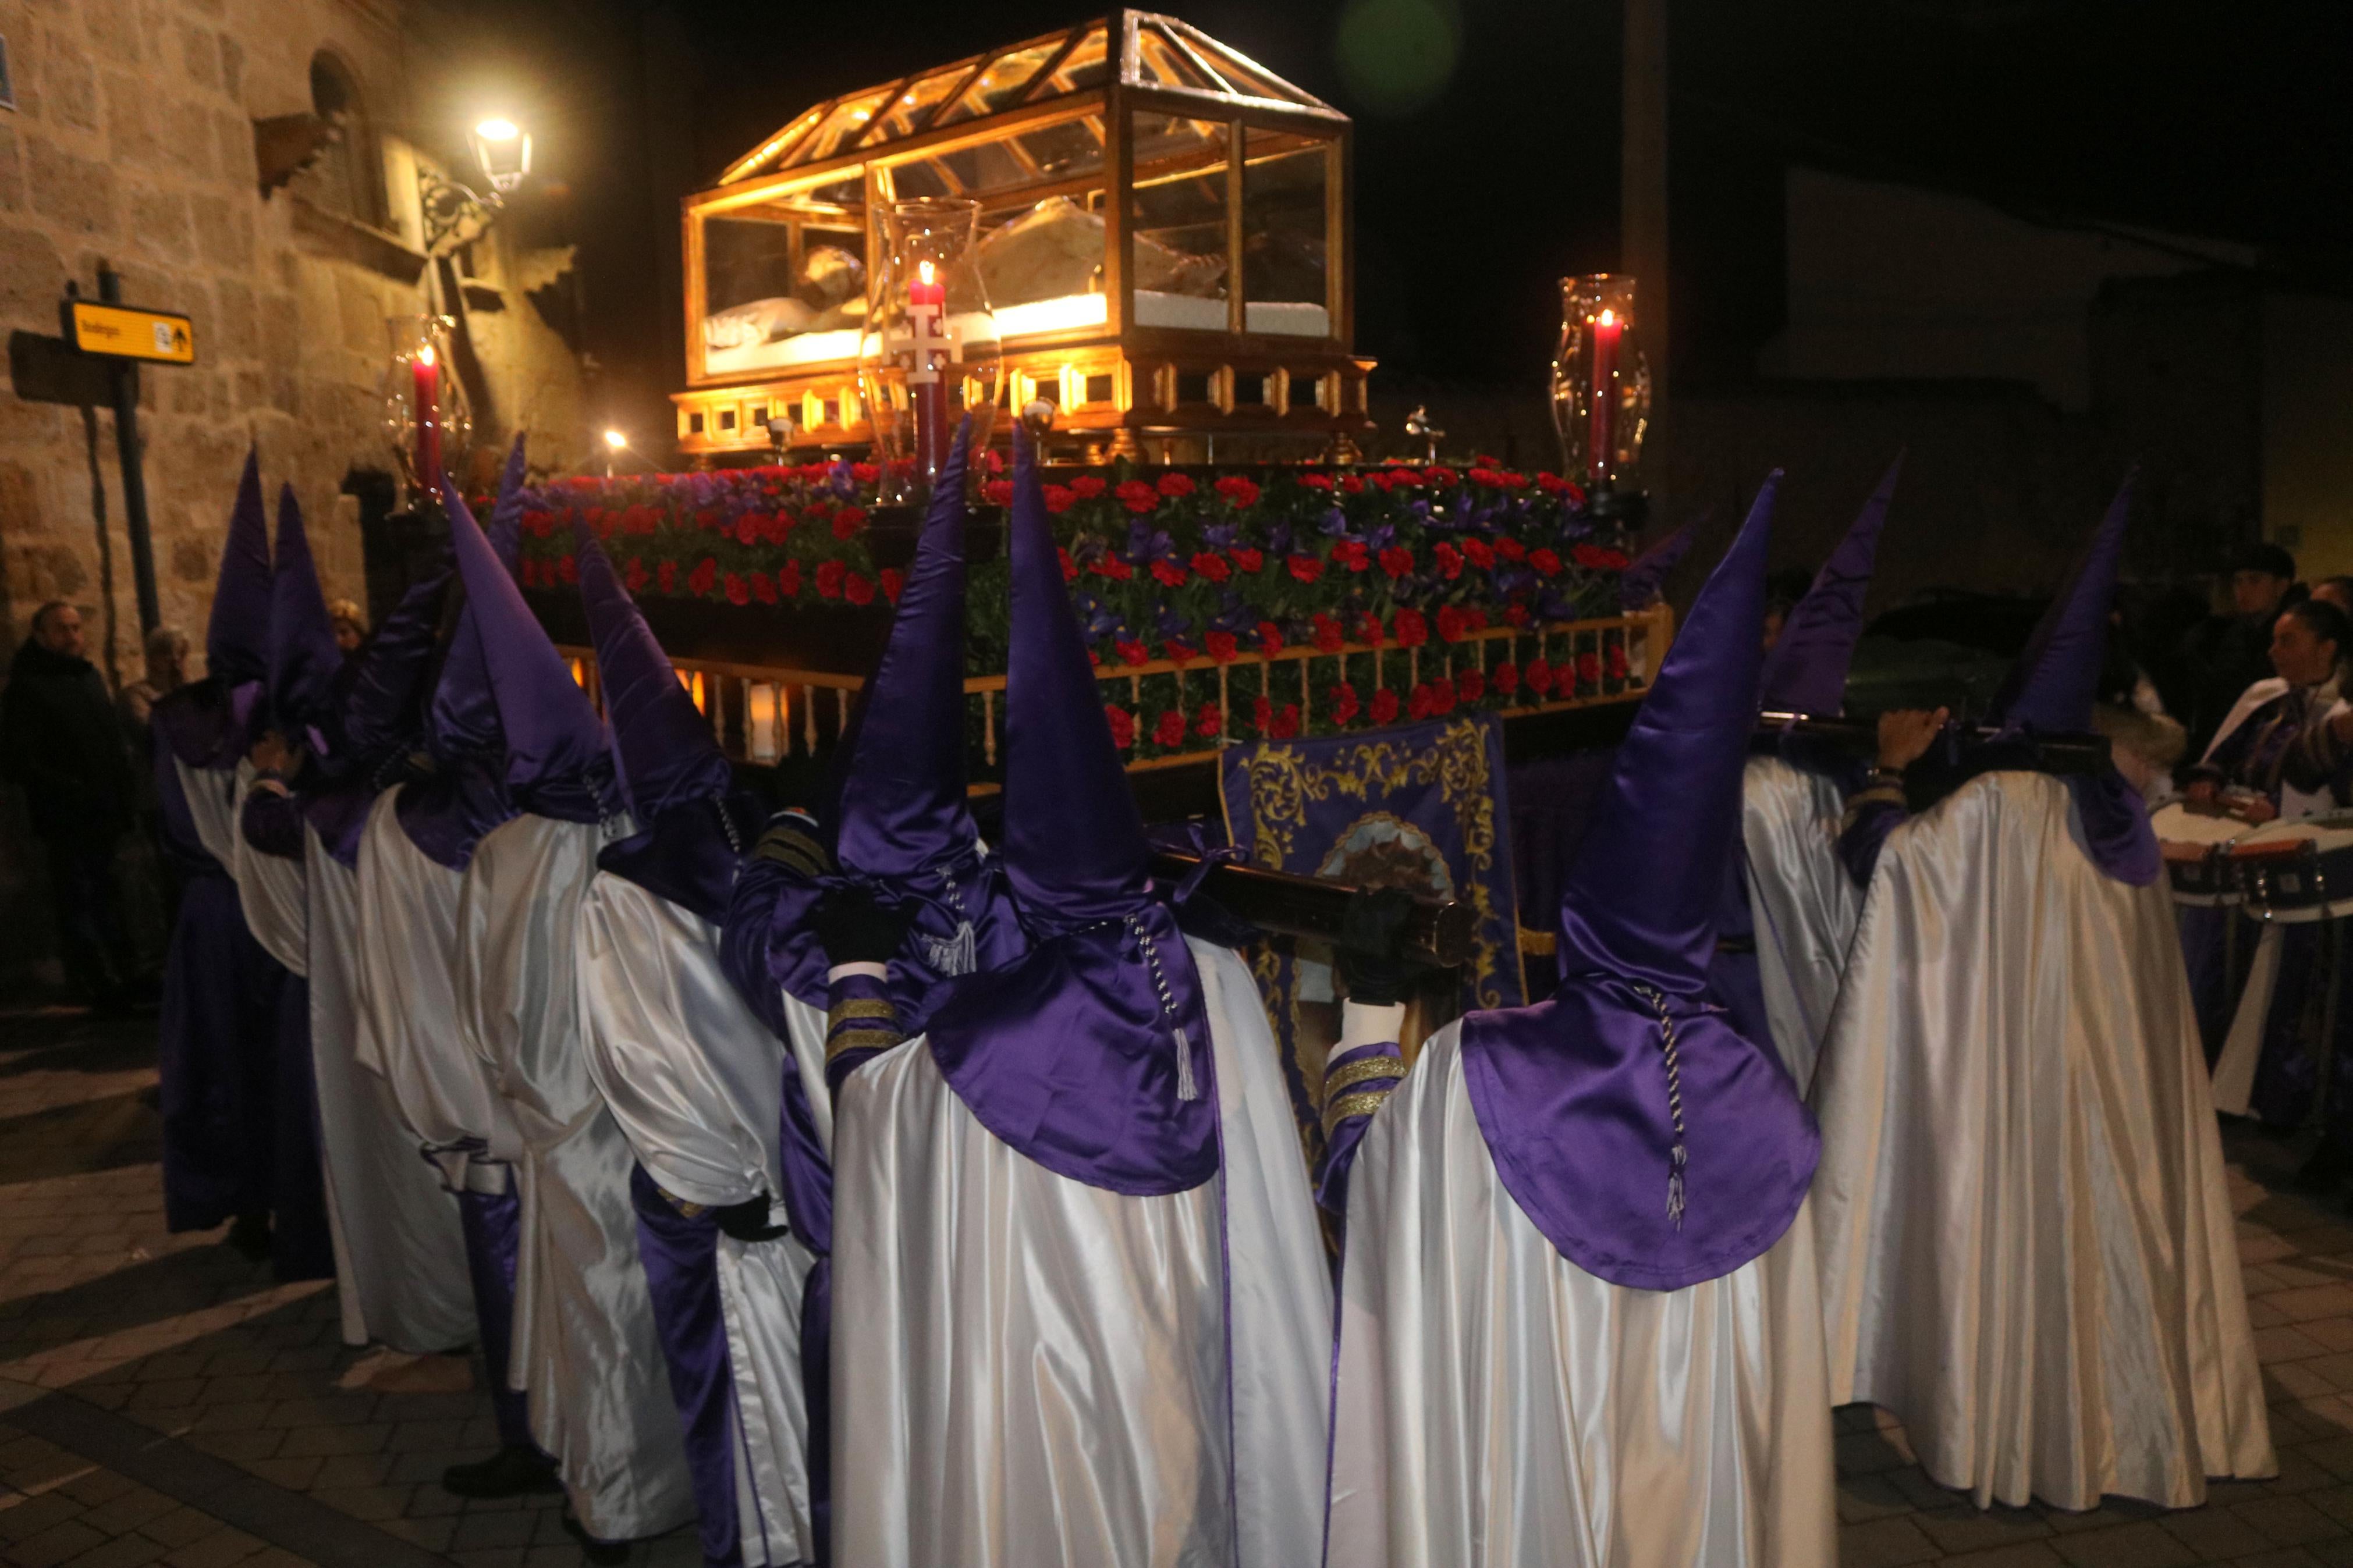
x: 2295, y: 871
x: 2196, y: 846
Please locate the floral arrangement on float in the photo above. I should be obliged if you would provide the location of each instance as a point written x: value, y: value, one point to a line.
x: 1226, y: 605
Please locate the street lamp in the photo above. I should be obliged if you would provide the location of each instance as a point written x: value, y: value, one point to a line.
x: 615, y: 444
x: 455, y: 213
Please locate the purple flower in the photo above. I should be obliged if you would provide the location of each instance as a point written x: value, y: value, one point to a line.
x: 1234, y: 616
x: 1173, y: 628
x: 843, y: 482
x: 1278, y: 539
x: 1335, y: 523
x: 1145, y: 545
x: 1221, y: 536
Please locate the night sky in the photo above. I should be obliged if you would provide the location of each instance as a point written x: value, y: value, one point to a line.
x: 1481, y: 180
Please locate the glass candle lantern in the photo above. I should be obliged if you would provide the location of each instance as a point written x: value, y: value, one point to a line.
x: 426, y: 417
x: 930, y: 351
x: 1600, y: 384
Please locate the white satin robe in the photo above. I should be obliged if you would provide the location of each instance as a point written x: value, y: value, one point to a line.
x: 400, y: 1254
x: 1499, y: 1407
x: 694, y: 1079
x: 584, y: 1349
x: 1029, y: 1372
x: 1803, y: 901
x: 2027, y: 1245
x: 406, y: 979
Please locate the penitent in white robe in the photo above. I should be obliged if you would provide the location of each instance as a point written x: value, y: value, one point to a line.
x: 1803, y: 902
x: 1497, y: 1406
x: 584, y: 1349
x: 694, y: 1080
x: 1029, y: 1372
x: 407, y: 979
x: 2026, y: 1240
x: 400, y: 1255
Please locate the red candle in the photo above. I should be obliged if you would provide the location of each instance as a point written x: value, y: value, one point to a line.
x: 1606, y: 329
x: 927, y: 302
x: 425, y: 408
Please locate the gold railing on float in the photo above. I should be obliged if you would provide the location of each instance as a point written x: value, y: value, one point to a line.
x: 766, y: 713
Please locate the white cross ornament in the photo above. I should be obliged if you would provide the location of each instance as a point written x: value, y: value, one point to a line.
x: 920, y: 338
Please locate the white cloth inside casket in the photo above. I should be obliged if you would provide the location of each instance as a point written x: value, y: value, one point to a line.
x: 2027, y: 1244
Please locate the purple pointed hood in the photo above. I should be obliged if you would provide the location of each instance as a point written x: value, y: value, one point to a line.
x: 237, y: 638
x: 379, y: 705
x: 303, y: 658
x: 1073, y: 844
x: 506, y: 516
x: 463, y: 720
x: 1806, y: 671
x: 1651, y: 1143
x: 1089, y: 1053
x: 667, y: 754
x: 558, y: 762
x: 902, y: 808
x: 1639, y: 583
x: 2052, y: 686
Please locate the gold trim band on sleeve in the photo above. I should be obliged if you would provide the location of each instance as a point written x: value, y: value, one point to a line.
x: 860, y: 1041
x: 856, y: 1007
x: 1362, y: 1103
x: 1339, y: 1080
x: 793, y: 850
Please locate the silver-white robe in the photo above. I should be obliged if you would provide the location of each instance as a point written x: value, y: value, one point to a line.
x: 1803, y: 902
x: 693, y: 1077
x: 1500, y: 1407
x: 1031, y: 1372
x: 2027, y: 1245
x: 585, y: 1348
x: 406, y: 979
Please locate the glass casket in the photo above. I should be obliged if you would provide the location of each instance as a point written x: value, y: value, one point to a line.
x: 1165, y: 244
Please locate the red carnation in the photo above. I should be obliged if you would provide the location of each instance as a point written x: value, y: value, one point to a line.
x: 569, y: 568
x: 1418, y: 704
x: 1168, y: 731
x: 1113, y: 567
x: 1086, y: 487
x: 699, y: 580
x: 1247, y: 559
x: 1137, y: 495
x: 1286, y: 723
x: 1059, y: 500
x: 747, y: 529
x: 1352, y: 555
x: 1222, y: 647
x: 1370, y: 632
x: 848, y: 521
x: 1315, y: 481
x: 1442, y: 695
x: 858, y: 588
x: 1123, y: 726
x: 1482, y: 554
x: 1179, y: 653
x: 828, y: 579
x: 1439, y: 475
x: 739, y: 592
x: 1392, y: 479
x: 1175, y: 485
x: 1169, y: 574
x: 1545, y: 562
x: 1351, y: 485
x: 894, y: 582
x: 1343, y: 704
x: 633, y: 574
x: 1450, y: 561
x: 1132, y: 652
x: 1385, y: 706
x: 1238, y: 489
x: 996, y: 492
x: 1306, y: 568
x: 1617, y: 661
x: 1212, y: 565
x: 1504, y: 678
x: 1207, y: 722
x: 763, y: 588
x: 1451, y: 623
x: 776, y: 527
x: 789, y: 581
x: 1328, y: 635
x: 1413, y: 631
x: 1516, y: 614
x: 1589, y: 669
x: 666, y: 576
x: 1511, y: 549
x: 1539, y: 676
x: 1472, y: 685
x: 1070, y: 567
x: 1270, y: 638
x: 1396, y: 561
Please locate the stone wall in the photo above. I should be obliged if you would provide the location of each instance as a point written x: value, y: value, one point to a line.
x: 133, y: 141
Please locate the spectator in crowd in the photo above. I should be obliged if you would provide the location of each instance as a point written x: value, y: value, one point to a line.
x: 2227, y: 653
x: 351, y: 627
x: 60, y: 739
x: 167, y: 671
x: 2337, y: 591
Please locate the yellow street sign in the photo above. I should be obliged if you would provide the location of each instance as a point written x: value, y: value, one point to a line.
x: 126, y: 333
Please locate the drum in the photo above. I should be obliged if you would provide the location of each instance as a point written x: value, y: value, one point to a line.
x: 2300, y: 871
x: 2196, y: 846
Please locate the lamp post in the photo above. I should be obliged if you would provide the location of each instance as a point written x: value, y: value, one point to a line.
x: 455, y: 213
x: 615, y: 442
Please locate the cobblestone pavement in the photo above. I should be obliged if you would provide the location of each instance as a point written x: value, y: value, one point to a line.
x: 162, y: 1401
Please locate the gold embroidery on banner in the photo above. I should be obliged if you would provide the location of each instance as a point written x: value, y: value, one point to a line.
x: 1341, y: 1079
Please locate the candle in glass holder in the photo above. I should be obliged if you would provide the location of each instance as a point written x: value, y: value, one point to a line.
x: 1606, y: 329
x: 425, y: 408
x: 927, y: 304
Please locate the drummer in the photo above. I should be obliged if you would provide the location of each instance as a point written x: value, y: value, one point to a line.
x: 2284, y: 752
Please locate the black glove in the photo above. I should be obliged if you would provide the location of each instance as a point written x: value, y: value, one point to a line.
x: 748, y: 1221
x: 855, y: 927
x: 1373, y: 953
